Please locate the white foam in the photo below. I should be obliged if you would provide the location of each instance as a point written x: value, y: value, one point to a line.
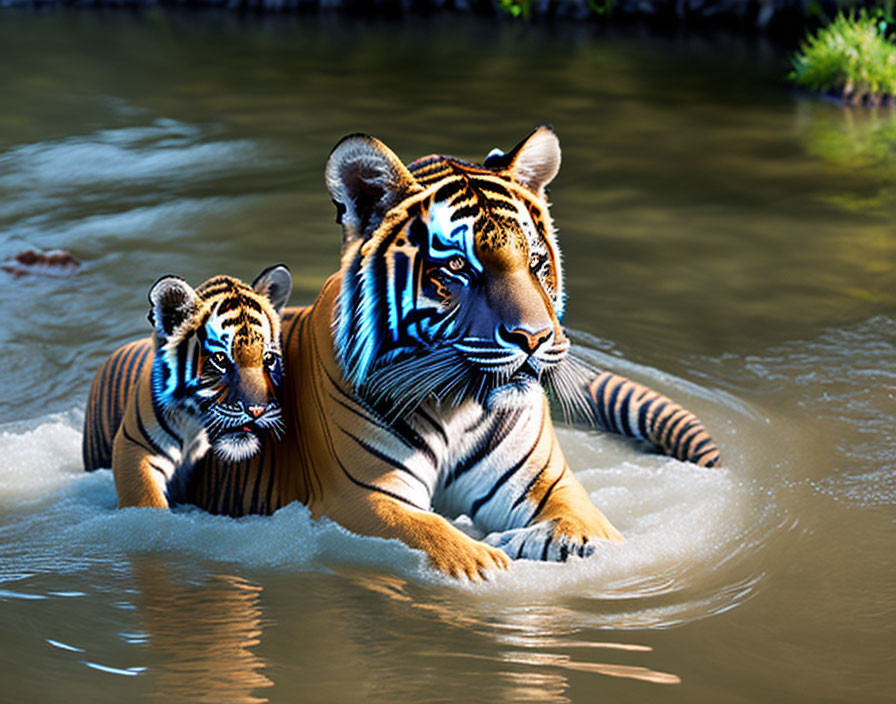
x: 679, y: 520
x: 37, y: 462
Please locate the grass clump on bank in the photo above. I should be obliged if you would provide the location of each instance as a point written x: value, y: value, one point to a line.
x: 850, y: 59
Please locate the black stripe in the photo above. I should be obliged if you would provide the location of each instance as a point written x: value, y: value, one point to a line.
x: 403, y: 431
x: 642, y: 419
x: 687, y: 438
x: 147, y: 348
x: 368, y: 417
x: 488, y: 496
x: 479, y: 421
x: 434, y: 423
x: 522, y: 497
x: 181, y: 369
x: 214, y: 287
x: 449, y: 189
x: 465, y: 211
x: 492, y: 189
x: 547, y: 546
x: 611, y: 405
x: 135, y: 366
x: 115, y: 370
x: 544, y: 499
x: 658, y: 429
x: 599, y: 403
x: 143, y: 431
x: 623, y: 411
x: 371, y: 487
x: 156, y: 467
x: 675, y: 428
x: 134, y: 440
x: 96, y: 458
x: 391, y: 461
x: 480, y: 502
x: 505, y: 423
x: 711, y: 450
x: 700, y: 445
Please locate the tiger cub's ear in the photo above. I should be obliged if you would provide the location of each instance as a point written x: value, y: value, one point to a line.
x: 172, y: 301
x: 365, y: 180
x: 535, y: 161
x: 275, y: 282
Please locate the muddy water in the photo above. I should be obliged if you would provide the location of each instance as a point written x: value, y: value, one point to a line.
x: 726, y: 242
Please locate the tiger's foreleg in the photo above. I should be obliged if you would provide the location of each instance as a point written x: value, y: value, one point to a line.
x: 563, y: 522
x: 140, y: 475
x: 450, y: 550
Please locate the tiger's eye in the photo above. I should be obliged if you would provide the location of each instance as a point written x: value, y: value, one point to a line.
x: 219, y: 359
x: 456, y: 263
x: 534, y: 261
x: 269, y: 359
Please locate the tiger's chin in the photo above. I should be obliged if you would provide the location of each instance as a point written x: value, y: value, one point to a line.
x: 236, y: 446
x: 513, y: 394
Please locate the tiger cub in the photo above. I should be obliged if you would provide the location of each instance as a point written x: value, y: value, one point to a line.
x: 208, y: 379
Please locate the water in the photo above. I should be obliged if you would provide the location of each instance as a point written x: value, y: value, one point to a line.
x: 727, y: 242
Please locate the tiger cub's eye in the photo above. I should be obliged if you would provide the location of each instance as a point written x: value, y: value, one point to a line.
x: 269, y: 359
x: 534, y: 261
x: 456, y: 263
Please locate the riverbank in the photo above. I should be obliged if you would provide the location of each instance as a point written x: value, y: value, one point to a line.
x: 787, y: 19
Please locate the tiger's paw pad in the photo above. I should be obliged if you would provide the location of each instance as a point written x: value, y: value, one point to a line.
x: 547, y: 541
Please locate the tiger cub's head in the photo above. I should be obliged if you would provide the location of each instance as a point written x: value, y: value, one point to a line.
x: 217, y: 367
x: 451, y: 277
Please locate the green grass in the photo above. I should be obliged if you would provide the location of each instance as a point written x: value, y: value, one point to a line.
x: 850, y: 58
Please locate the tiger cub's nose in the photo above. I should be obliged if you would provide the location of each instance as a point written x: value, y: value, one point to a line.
x: 255, y: 411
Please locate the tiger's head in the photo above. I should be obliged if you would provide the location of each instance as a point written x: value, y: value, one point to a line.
x: 452, y: 284
x: 217, y: 367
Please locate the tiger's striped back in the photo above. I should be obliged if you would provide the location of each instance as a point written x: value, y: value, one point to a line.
x: 108, y: 398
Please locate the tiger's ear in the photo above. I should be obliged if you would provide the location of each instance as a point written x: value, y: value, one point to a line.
x: 535, y: 161
x: 275, y: 282
x: 365, y: 180
x: 172, y: 301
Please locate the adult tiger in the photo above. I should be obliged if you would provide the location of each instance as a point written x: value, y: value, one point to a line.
x: 213, y: 382
x: 415, y: 379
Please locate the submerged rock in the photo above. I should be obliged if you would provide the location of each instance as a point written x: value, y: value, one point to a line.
x: 56, y: 262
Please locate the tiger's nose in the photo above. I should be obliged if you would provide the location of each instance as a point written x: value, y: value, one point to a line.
x: 255, y: 411
x: 527, y: 341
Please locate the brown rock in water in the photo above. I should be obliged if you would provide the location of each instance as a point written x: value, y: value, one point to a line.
x: 56, y: 262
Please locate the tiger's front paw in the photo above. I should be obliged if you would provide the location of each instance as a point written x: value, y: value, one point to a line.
x: 552, y: 541
x: 465, y: 557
